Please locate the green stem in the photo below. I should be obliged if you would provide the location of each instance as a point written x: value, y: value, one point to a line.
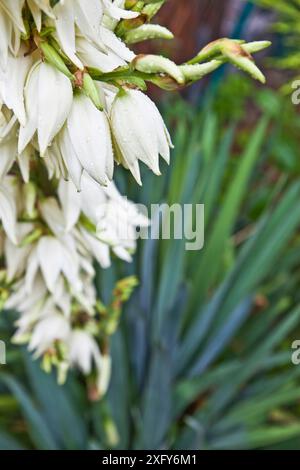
x: 120, y: 75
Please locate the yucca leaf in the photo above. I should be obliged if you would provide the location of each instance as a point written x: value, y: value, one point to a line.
x: 37, y: 426
x: 58, y: 408
x: 224, y: 223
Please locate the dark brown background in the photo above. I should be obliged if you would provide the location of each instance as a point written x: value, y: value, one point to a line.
x: 194, y: 23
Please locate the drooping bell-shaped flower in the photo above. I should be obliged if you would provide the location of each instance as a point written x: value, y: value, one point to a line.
x: 48, y: 100
x: 8, y: 211
x: 85, y: 142
x: 12, y: 82
x: 139, y: 132
x: 51, y: 328
x: 86, y: 16
x: 85, y: 354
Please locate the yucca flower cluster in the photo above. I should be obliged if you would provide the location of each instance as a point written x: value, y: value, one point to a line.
x: 73, y: 107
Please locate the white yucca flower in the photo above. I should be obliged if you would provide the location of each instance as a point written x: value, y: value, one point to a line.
x: 93, y: 56
x: 58, y: 110
x: 54, y: 257
x: 49, y: 262
x: 8, y: 208
x: 83, y: 351
x: 87, y: 17
x: 139, y: 132
x: 112, y: 44
x: 8, y: 140
x: 114, y: 217
x: 11, y: 28
x: 48, y: 100
x: 85, y: 142
x: 53, y: 327
x: 13, y: 9
x: 85, y: 354
x: 49, y: 257
x: 8, y: 214
x: 37, y: 8
x: 12, y: 83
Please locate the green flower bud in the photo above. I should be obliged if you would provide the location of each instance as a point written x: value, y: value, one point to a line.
x: 126, y: 25
x: 197, y: 71
x: 152, y: 7
x: 30, y: 195
x: 147, y: 31
x: 158, y: 64
x: 256, y: 46
x: 52, y: 56
x: 91, y: 91
x: 240, y: 57
x: 32, y: 237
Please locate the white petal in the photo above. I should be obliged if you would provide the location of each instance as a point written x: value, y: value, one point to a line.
x: 15, y: 40
x: 14, y: 81
x: 31, y: 101
x: 99, y: 249
x: 8, y: 214
x: 135, y: 140
x: 118, y: 13
x: 8, y: 153
x: 160, y: 131
x: 90, y: 137
x: 88, y: 17
x: 24, y: 159
x: 48, y: 330
x: 9, y: 130
x: 70, y: 268
x: 91, y: 56
x: 122, y: 253
x: 55, y: 97
x: 14, y: 10
x: 5, y: 34
x: 15, y: 258
x: 66, y: 30
x: 104, y: 374
x: 53, y: 216
x: 31, y: 271
x: 36, y: 13
x: 83, y: 350
x: 70, y: 158
x: 116, y: 45
x: 70, y: 200
x: 49, y: 251
x: 44, y: 5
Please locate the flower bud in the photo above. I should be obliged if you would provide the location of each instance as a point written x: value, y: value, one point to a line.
x: 256, y: 46
x: 147, y: 31
x: 152, y: 7
x: 197, y: 71
x: 158, y: 64
x: 238, y: 56
x: 54, y: 59
x: 126, y: 25
x: 91, y: 91
x: 30, y: 194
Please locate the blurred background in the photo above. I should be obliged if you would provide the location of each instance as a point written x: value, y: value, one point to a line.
x: 202, y: 358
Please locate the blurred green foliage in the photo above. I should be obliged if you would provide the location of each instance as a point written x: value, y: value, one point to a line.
x: 238, y: 93
x: 202, y: 359
x: 286, y: 26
